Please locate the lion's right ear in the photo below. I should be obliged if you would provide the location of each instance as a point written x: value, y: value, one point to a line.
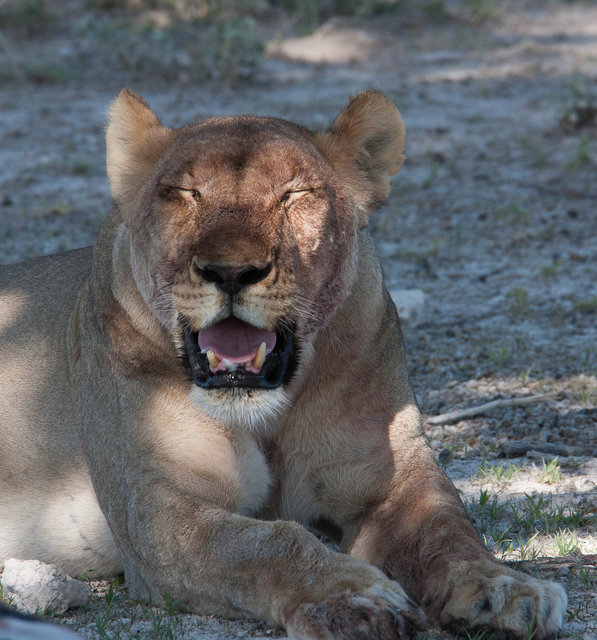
x: 135, y: 140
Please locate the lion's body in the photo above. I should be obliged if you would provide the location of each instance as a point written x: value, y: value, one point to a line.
x: 138, y: 435
x: 48, y: 509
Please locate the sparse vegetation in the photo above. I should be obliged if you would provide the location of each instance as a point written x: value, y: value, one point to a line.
x: 480, y: 10
x: 513, y: 214
x: 532, y: 527
x: 186, y: 39
x: 500, y: 474
x: 30, y: 17
x: 588, y: 577
x: 566, y: 542
x: 500, y: 356
x: 519, y: 299
x: 580, y: 107
x: 550, y: 472
x: 589, y: 305
x: 549, y: 269
x: 582, y: 156
x: 429, y: 180
x: 311, y: 13
x: 535, y: 150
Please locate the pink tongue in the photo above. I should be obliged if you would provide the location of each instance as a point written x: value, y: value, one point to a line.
x: 235, y: 340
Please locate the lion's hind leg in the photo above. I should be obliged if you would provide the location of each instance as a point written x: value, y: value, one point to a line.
x: 59, y: 522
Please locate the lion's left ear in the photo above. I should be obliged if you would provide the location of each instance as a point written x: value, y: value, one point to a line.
x: 365, y: 145
x: 135, y: 140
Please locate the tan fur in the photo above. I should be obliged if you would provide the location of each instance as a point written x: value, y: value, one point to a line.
x: 113, y: 459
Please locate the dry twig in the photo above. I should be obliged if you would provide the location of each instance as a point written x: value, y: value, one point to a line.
x: 455, y: 416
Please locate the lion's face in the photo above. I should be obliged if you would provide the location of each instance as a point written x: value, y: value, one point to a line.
x: 252, y: 248
x: 243, y: 236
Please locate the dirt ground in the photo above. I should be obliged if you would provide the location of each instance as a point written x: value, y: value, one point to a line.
x: 493, y: 216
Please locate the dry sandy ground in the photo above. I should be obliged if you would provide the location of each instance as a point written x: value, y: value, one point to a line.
x: 493, y: 217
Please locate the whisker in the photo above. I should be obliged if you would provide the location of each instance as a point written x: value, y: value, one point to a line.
x: 162, y: 298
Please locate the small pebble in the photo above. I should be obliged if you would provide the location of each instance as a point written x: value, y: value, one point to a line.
x: 444, y: 456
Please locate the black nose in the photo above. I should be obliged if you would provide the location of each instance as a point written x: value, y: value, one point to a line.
x: 232, y: 279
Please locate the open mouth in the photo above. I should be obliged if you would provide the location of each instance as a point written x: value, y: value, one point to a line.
x: 235, y: 354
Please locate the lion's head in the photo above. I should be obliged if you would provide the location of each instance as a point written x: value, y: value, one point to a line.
x: 244, y: 235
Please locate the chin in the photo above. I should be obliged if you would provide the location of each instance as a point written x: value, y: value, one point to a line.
x: 256, y: 410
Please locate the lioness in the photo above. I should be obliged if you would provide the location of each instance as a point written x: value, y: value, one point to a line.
x: 223, y: 368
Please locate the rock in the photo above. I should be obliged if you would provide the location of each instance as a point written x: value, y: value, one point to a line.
x: 444, y: 457
x: 17, y: 626
x: 34, y: 586
x: 563, y: 571
x: 410, y: 304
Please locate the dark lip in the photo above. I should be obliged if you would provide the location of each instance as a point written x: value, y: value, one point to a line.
x: 278, y: 368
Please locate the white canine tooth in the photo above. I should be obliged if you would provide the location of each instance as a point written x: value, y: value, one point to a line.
x: 260, y: 357
x: 213, y: 359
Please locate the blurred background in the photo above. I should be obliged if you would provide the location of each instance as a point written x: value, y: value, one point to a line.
x: 186, y: 40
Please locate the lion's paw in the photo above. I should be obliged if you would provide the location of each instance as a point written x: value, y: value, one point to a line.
x: 383, y: 612
x: 489, y: 595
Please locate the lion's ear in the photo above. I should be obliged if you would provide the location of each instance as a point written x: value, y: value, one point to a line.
x: 135, y: 139
x: 365, y: 145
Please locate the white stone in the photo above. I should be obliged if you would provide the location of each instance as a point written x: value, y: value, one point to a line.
x: 34, y: 586
x: 410, y: 304
x: 14, y: 627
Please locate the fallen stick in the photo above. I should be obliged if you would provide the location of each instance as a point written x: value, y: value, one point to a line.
x: 579, y: 559
x: 455, y: 416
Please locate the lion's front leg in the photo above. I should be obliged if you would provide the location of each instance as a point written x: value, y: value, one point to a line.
x: 420, y: 535
x: 381, y: 611
x: 484, y: 593
x: 179, y: 501
x: 216, y: 561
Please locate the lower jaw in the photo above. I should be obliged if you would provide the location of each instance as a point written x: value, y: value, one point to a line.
x: 239, y: 380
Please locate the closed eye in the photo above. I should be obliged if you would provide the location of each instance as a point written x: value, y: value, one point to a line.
x: 292, y: 194
x: 167, y: 190
x: 194, y: 192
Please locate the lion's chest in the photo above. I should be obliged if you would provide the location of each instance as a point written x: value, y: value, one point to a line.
x: 217, y: 465
x: 254, y: 476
